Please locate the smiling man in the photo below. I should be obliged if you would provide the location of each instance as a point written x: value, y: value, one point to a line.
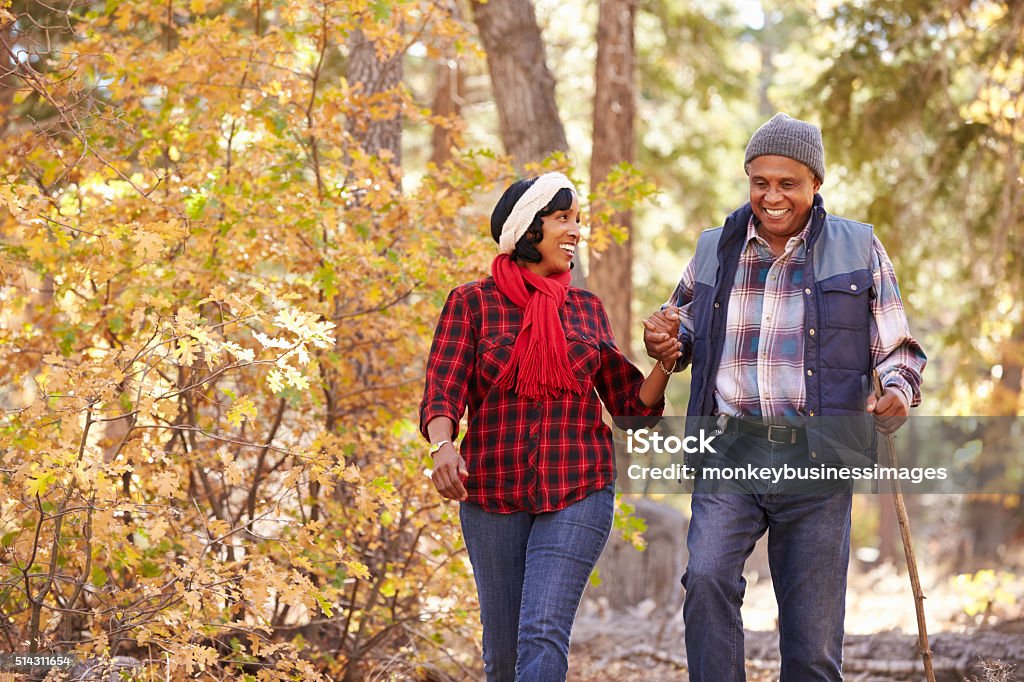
x: 784, y: 313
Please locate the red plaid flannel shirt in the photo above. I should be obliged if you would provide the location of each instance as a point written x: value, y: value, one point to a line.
x: 528, y: 455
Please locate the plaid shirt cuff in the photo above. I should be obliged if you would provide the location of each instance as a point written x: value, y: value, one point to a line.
x: 896, y: 380
x: 435, y: 409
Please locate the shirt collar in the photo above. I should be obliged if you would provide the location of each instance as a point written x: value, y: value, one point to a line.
x: 795, y: 242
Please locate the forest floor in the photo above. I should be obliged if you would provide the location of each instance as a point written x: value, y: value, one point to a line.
x: 645, y: 645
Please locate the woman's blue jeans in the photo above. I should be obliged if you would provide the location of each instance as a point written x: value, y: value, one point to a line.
x: 808, y: 553
x: 530, y: 571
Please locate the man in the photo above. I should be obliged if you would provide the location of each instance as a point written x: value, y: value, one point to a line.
x: 784, y: 314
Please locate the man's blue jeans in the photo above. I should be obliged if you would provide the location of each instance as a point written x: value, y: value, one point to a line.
x: 530, y: 571
x: 808, y: 552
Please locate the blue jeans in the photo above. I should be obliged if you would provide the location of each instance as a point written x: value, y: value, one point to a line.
x: 530, y: 571
x: 808, y: 553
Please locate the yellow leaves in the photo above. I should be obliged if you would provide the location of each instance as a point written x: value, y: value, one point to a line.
x: 987, y: 14
x: 40, y: 483
x: 240, y: 353
x: 123, y: 18
x: 150, y: 239
x: 204, y: 656
x: 234, y: 474
x: 159, y: 301
x: 194, y: 599
x: 243, y: 407
x: 279, y: 379
x: 357, y: 569
x: 324, y: 604
x: 38, y: 247
x: 307, y: 326
x: 184, y: 352
x: 149, y: 245
x: 218, y: 528
x: 15, y: 195
x: 203, y: 253
x: 167, y: 484
x: 987, y: 590
x: 156, y: 529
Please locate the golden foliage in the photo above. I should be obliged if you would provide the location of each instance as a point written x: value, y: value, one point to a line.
x: 215, y: 309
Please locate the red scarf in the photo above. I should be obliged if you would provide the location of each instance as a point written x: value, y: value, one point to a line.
x: 539, y: 366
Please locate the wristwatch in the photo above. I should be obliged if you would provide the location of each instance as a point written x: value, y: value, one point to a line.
x: 434, y: 447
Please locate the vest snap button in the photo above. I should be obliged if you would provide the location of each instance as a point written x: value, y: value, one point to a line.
x: 811, y: 332
x: 717, y: 305
x: 810, y: 373
x: 807, y: 291
x: 853, y: 287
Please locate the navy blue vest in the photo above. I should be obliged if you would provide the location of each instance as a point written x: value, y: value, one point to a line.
x: 837, y: 342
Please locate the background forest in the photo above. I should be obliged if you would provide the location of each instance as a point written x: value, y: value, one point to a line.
x: 228, y: 228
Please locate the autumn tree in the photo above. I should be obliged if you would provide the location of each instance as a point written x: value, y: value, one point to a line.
x: 611, y: 270
x: 206, y: 440
x: 924, y: 103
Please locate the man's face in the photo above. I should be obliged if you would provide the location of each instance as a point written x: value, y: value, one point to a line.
x: 781, y: 194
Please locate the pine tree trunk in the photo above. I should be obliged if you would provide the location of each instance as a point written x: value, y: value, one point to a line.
x: 991, y: 524
x: 446, y: 103
x: 611, y: 271
x: 375, y: 76
x: 448, y: 93
x: 524, y: 88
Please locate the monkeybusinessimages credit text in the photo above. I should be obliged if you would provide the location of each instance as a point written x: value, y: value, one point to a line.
x: 648, y: 442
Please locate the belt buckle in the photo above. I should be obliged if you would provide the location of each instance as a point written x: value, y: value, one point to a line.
x: 787, y: 437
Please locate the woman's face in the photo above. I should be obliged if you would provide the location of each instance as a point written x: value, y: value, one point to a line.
x: 561, y: 236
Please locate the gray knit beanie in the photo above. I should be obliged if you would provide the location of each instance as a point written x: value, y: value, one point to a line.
x: 786, y: 136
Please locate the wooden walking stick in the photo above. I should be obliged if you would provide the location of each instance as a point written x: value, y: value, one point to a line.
x: 908, y: 550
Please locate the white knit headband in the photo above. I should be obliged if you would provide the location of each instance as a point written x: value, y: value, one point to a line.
x: 539, y: 194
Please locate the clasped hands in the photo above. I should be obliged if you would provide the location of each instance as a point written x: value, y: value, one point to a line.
x: 661, y: 336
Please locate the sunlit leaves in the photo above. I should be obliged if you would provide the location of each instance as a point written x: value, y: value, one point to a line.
x: 209, y: 331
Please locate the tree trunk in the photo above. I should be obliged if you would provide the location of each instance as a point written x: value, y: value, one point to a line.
x: 990, y: 523
x: 446, y: 103
x: 524, y: 88
x: 376, y: 77
x: 611, y: 271
x: 448, y: 91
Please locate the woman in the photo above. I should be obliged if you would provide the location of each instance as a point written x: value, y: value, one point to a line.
x: 529, y: 356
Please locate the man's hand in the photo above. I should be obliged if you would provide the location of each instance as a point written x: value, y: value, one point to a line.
x: 661, y: 332
x: 890, y: 410
x: 449, y: 470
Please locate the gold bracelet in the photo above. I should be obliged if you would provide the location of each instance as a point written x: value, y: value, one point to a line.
x: 667, y: 372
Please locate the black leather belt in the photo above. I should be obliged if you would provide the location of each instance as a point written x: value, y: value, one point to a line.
x: 776, y: 433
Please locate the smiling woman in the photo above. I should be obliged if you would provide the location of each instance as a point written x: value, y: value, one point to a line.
x: 531, y: 358
x: 560, y: 232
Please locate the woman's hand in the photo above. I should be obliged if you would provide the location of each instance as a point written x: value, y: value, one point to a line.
x: 449, y: 470
x: 661, y: 332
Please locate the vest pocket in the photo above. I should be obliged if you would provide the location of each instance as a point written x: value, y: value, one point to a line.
x: 846, y: 300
